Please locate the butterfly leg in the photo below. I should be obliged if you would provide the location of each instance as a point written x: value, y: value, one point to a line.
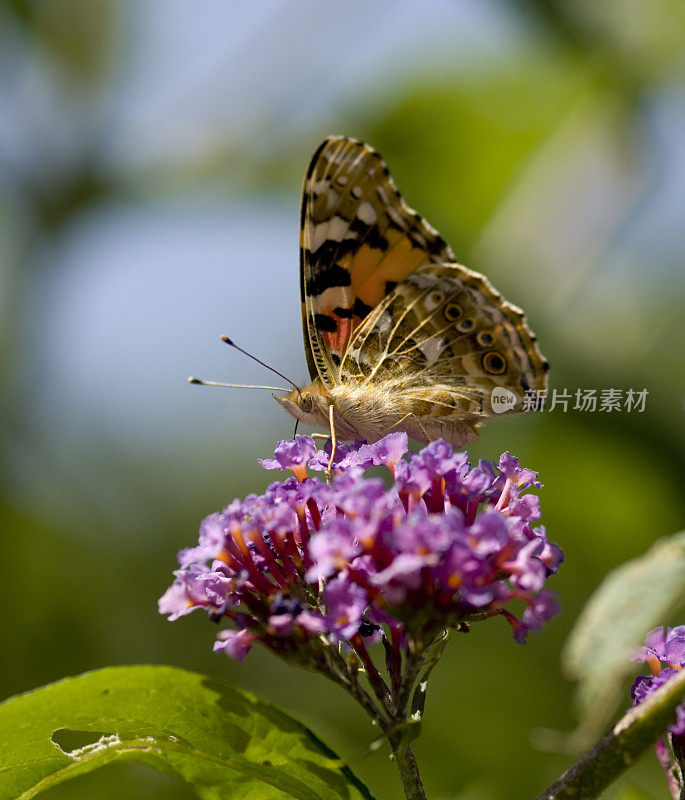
x: 418, y: 422
x: 329, y: 471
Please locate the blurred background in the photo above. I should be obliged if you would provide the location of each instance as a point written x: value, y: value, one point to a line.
x: 151, y: 158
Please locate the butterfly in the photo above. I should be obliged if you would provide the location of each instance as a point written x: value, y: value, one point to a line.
x: 398, y: 335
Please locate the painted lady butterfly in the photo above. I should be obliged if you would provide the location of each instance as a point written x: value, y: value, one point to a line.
x: 398, y: 336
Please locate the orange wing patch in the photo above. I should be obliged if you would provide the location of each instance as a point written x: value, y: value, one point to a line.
x: 399, y: 261
x: 358, y: 240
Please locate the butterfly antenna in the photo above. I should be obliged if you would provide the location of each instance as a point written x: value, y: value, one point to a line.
x: 234, y: 385
x: 230, y: 342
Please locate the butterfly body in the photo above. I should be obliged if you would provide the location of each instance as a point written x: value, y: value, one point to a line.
x: 398, y: 336
x: 368, y: 413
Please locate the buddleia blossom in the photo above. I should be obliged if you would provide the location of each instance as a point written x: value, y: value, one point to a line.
x: 664, y: 653
x: 308, y: 564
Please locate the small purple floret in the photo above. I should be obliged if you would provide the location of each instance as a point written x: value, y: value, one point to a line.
x: 668, y: 646
x: 664, y: 652
x: 346, y: 603
x: 292, y: 454
x: 236, y: 644
x: 387, y: 451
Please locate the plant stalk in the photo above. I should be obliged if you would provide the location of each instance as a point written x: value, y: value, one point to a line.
x: 403, y: 756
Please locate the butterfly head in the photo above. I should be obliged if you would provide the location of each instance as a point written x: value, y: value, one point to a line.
x: 309, y: 404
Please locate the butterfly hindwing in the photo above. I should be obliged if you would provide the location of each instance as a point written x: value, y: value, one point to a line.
x: 358, y: 239
x: 440, y: 342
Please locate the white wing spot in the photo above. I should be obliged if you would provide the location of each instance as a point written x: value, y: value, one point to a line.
x: 337, y: 228
x: 432, y: 348
x: 384, y: 322
x: 333, y: 229
x: 332, y: 199
x: 356, y: 192
x: 367, y: 213
x: 318, y: 235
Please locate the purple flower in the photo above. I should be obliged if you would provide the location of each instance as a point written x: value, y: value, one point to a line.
x: 516, y: 479
x: 219, y: 586
x: 473, y: 484
x: 543, y: 607
x: 347, y: 456
x: 358, y: 497
x: 293, y: 454
x: 184, y: 595
x: 439, y: 459
x: 644, y: 686
x: 669, y: 647
x: 412, y: 481
x: 509, y: 467
x: 346, y: 602
x: 661, y: 647
x: 236, y: 644
x: 289, y: 617
x: 354, y: 561
x: 387, y: 451
x: 527, y: 507
x: 212, y: 538
x: 527, y: 571
x: 333, y: 548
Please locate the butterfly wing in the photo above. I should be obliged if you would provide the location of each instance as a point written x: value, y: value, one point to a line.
x: 358, y: 239
x: 438, y: 345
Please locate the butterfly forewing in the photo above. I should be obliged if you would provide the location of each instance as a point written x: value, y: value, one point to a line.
x: 358, y: 240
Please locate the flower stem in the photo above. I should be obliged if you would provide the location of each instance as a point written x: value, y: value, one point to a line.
x: 393, y: 725
x: 377, y: 683
x: 340, y: 673
x: 636, y: 731
x: 403, y: 756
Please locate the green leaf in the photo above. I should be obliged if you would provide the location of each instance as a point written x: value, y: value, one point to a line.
x: 222, y: 741
x: 634, y: 598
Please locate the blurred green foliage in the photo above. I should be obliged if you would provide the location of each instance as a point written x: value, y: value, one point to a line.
x: 487, y: 151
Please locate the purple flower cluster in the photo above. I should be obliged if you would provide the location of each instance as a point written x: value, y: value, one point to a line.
x: 355, y: 562
x: 670, y: 649
x: 664, y: 648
